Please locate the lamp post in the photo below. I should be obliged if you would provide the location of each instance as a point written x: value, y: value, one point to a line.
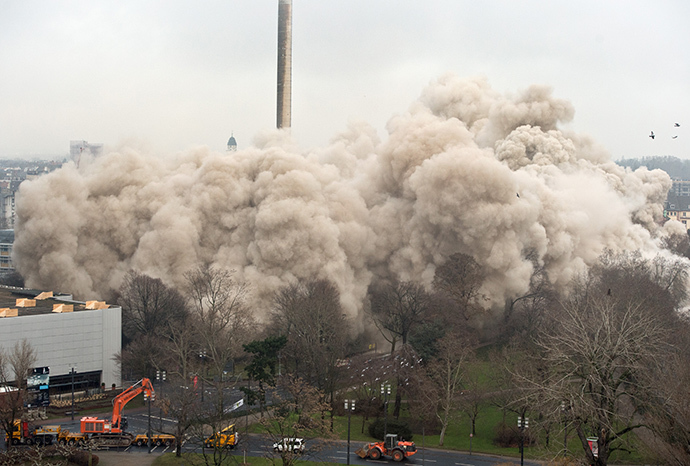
x: 147, y: 397
x: 160, y: 378
x: 522, y: 426
x: 564, y: 410
x: 349, y: 408
x: 202, y: 356
x: 73, y: 371
x: 385, y: 393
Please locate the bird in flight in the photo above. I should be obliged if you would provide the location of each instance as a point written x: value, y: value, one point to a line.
x: 651, y: 135
x: 673, y: 137
x: 677, y: 125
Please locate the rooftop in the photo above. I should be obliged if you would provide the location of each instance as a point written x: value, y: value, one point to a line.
x: 28, y: 302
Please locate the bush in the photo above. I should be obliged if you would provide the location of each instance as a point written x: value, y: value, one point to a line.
x: 394, y: 426
x: 506, y: 437
x: 81, y: 458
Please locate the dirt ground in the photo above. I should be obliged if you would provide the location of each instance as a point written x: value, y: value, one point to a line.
x: 113, y: 458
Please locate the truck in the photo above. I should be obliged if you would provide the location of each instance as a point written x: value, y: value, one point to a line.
x: 111, y: 433
x: 226, y: 438
x: 23, y: 433
x: 391, y: 446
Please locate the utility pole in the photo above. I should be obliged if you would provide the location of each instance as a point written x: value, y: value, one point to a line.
x: 73, y: 371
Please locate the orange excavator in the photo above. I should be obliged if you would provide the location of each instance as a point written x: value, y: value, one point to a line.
x: 112, y: 433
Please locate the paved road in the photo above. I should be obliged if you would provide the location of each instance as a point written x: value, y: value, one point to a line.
x: 261, y: 446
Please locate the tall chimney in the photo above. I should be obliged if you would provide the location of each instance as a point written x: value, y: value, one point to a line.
x: 284, y: 64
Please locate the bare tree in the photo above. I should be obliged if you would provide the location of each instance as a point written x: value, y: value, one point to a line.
x: 142, y: 356
x: 296, y: 416
x: 181, y: 403
x: 221, y: 324
x: 598, y: 356
x: 15, y: 366
x: 311, y: 316
x: 447, y: 372
x: 396, y: 309
x: 148, y: 305
x: 220, y: 317
x: 461, y: 278
x: 668, y: 435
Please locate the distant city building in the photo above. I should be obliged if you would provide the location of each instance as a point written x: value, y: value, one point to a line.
x: 678, y: 208
x: 78, y: 148
x: 7, y: 208
x: 680, y: 188
x: 6, y: 242
x: 65, y: 334
x: 232, y: 144
x: 12, y: 174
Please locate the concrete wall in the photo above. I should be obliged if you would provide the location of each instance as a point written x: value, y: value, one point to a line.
x: 89, y: 339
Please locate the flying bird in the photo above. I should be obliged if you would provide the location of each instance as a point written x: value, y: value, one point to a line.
x: 652, y: 135
x: 677, y: 125
x: 673, y: 137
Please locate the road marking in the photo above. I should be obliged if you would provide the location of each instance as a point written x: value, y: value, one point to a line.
x: 464, y: 464
x: 338, y: 457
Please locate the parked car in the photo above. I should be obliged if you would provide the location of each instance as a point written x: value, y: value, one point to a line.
x: 295, y: 445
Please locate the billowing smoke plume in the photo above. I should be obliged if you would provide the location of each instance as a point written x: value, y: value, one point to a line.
x: 464, y: 170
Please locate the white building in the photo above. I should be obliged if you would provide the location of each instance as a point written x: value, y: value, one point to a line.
x: 78, y: 149
x: 64, y: 334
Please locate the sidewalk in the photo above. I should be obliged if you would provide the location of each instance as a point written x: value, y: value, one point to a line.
x: 119, y: 458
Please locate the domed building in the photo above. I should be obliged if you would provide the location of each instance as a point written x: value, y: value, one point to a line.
x: 232, y: 144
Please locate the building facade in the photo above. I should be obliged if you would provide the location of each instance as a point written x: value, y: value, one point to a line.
x: 65, y: 335
x: 6, y: 242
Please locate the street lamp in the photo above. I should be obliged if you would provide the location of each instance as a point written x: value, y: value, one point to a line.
x: 349, y: 410
x: 385, y: 393
x: 148, y: 398
x: 522, y: 426
x: 564, y: 412
x: 203, y: 357
x: 160, y: 377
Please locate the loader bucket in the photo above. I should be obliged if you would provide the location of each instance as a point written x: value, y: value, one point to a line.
x: 361, y: 452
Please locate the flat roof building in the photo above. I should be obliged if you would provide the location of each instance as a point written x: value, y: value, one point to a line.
x: 64, y: 334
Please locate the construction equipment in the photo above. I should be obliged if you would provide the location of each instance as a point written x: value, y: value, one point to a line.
x: 396, y: 449
x: 156, y: 439
x: 226, y: 438
x: 24, y: 433
x: 112, y: 433
x: 66, y: 437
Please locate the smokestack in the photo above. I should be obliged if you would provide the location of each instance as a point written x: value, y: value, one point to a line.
x: 284, y: 64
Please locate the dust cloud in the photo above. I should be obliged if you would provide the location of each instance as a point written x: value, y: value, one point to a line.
x: 465, y: 169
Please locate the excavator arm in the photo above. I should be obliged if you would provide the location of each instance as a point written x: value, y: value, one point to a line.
x: 119, y: 402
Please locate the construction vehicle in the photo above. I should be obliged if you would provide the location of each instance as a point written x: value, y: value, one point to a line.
x: 24, y: 433
x: 66, y: 437
x: 111, y: 433
x: 142, y: 440
x: 396, y: 449
x: 226, y: 438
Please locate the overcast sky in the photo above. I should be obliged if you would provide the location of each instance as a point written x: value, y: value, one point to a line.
x: 176, y: 74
